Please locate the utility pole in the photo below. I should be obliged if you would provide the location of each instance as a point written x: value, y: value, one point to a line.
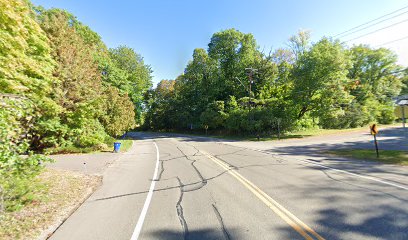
x: 250, y: 72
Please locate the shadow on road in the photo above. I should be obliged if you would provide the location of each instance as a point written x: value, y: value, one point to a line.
x: 213, y: 234
x: 341, y: 218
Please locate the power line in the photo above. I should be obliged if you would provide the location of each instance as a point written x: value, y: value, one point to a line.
x: 396, y: 40
x: 377, y: 30
x: 370, y: 21
x: 361, y: 29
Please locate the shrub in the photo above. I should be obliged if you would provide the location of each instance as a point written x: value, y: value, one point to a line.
x: 16, y: 171
x: 90, y: 134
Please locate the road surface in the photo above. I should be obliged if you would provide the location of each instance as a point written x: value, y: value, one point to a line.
x: 174, y: 187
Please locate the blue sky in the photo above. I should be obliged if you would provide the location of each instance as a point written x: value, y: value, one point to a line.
x: 165, y: 33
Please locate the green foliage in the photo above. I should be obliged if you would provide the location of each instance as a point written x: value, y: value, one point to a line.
x: 25, y: 61
x: 320, y: 75
x: 308, y: 85
x: 120, y: 115
x: 60, y: 88
x: 214, y: 116
x: 16, y: 171
x: 128, y: 72
x: 164, y: 110
x: 237, y: 120
x: 91, y: 104
x: 90, y: 133
x: 233, y: 51
x: 26, y: 68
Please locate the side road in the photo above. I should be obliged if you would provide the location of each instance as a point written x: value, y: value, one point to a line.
x: 389, y: 138
x: 112, y: 211
x: 314, y: 150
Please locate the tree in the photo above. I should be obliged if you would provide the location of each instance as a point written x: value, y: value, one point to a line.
x: 196, y: 88
x: 130, y: 74
x: 160, y: 106
x: 299, y: 44
x: 214, y: 116
x: 233, y: 51
x: 376, y: 79
x: 78, y: 91
x: 320, y: 76
x: 119, y: 112
x: 26, y: 65
x: 307, y: 84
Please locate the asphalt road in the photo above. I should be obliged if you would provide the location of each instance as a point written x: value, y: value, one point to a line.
x: 211, y: 189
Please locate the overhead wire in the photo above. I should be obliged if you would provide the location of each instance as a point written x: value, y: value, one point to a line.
x: 388, y: 14
x: 369, y: 26
x: 393, y: 41
x: 363, y: 35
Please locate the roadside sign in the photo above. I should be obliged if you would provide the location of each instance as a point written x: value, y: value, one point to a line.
x: 374, y: 129
x: 374, y: 132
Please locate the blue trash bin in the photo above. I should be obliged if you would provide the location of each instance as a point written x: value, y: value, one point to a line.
x: 116, y: 147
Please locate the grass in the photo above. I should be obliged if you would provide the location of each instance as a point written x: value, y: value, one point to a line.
x: 61, y: 191
x: 386, y: 156
x: 126, y: 144
x: 107, y: 147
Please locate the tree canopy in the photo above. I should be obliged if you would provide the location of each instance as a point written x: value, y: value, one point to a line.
x: 323, y: 84
x: 60, y: 88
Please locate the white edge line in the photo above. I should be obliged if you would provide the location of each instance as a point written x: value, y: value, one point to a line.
x: 358, y: 175
x: 142, y: 216
x: 344, y: 171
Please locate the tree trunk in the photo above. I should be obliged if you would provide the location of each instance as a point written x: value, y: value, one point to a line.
x: 302, y: 112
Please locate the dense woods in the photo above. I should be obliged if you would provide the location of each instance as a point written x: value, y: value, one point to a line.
x: 323, y: 84
x: 60, y: 87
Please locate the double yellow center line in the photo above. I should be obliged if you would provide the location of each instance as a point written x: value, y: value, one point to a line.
x: 282, y: 212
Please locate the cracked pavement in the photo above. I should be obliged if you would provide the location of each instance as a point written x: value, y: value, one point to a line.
x: 248, y: 197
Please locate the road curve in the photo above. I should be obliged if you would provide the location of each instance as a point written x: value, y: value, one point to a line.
x: 207, y: 189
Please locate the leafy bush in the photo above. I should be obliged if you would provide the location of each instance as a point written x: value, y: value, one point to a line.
x: 387, y: 114
x: 214, y: 116
x: 120, y: 112
x: 90, y: 134
x: 16, y: 171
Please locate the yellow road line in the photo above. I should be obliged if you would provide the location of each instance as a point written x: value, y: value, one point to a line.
x: 282, y: 212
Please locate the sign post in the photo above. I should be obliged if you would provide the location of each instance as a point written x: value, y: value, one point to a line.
x: 374, y: 132
x: 206, y: 128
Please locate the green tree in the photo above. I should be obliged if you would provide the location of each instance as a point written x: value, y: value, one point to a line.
x: 196, y: 88
x: 319, y: 79
x: 160, y: 106
x: 119, y: 112
x: 78, y: 91
x: 376, y: 79
x: 233, y: 51
x: 17, y: 116
x: 130, y: 74
x: 214, y: 116
x: 26, y: 65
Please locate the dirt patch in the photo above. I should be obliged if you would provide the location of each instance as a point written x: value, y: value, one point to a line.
x: 61, y: 192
